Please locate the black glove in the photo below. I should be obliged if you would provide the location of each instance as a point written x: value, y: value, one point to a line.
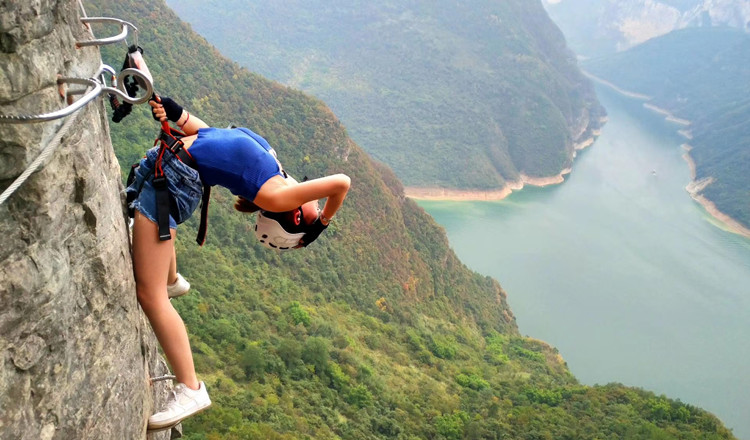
x: 173, y: 109
x: 313, y: 231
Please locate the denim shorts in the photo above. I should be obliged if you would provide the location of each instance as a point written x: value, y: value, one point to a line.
x: 183, y: 182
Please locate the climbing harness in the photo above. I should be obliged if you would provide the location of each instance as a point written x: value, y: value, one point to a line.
x: 169, y: 139
x: 123, y: 93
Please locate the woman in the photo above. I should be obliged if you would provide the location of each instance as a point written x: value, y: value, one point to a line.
x: 243, y: 162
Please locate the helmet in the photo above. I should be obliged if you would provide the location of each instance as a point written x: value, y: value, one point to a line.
x: 279, y: 230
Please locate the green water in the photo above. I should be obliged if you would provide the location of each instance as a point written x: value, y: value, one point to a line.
x: 621, y: 270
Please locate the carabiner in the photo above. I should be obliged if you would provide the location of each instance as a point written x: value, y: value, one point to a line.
x: 143, y: 81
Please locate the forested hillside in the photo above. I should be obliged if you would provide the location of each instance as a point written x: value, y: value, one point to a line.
x: 703, y: 75
x: 448, y: 94
x: 376, y: 330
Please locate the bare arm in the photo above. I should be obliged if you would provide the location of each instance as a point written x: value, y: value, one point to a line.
x: 275, y: 196
x: 188, y: 123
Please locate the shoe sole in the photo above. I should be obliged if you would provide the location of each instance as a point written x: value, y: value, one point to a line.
x: 173, y: 424
x: 178, y: 295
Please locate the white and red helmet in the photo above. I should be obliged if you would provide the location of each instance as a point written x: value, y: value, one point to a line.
x: 284, y: 230
x: 271, y: 233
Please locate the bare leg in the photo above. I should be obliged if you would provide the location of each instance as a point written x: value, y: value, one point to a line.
x: 152, y: 259
x: 172, y: 276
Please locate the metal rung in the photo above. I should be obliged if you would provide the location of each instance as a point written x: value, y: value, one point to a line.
x: 124, y: 25
x: 99, y: 85
x: 88, y: 97
x: 162, y: 378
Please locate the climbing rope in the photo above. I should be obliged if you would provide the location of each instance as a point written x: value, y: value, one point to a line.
x: 83, y: 10
x: 98, y: 85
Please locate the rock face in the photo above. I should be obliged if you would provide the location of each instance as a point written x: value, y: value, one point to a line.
x: 75, y: 350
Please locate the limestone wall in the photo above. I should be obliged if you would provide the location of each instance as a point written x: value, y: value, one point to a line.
x: 75, y: 350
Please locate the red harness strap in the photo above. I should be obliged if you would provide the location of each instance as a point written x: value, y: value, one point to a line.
x: 170, y: 139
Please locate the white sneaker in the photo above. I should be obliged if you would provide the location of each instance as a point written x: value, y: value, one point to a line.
x: 179, y: 288
x: 182, y: 403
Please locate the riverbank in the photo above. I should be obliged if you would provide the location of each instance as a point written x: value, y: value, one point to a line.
x: 669, y: 116
x: 464, y: 195
x: 668, y: 257
x: 468, y: 195
x: 695, y: 187
x: 623, y: 92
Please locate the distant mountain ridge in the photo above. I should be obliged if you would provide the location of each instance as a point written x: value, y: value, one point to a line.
x: 597, y: 27
x: 448, y: 94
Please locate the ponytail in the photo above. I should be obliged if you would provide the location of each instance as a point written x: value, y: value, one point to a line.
x: 244, y: 205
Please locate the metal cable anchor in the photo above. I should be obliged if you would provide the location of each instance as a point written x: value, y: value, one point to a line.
x: 162, y: 378
x: 99, y: 85
x: 124, y: 25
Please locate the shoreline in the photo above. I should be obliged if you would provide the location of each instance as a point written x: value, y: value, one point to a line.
x: 475, y: 195
x: 456, y: 195
x: 669, y: 116
x: 623, y: 92
x: 695, y: 187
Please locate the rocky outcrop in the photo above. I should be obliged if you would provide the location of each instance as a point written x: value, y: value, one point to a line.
x: 76, y: 353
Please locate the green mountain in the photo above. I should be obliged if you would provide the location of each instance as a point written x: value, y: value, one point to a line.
x: 448, y: 94
x: 702, y: 75
x: 377, y: 330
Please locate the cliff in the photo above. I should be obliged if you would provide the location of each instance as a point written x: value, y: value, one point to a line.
x: 76, y: 353
x: 449, y: 96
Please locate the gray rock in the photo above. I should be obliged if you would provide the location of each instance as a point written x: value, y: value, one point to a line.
x: 76, y: 352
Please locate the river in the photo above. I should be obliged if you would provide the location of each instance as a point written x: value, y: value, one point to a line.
x: 621, y: 270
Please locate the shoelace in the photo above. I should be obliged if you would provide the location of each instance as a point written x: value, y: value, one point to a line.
x: 173, y: 394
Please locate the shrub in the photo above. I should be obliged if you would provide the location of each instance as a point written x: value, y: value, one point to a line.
x: 443, y: 348
x: 298, y: 314
x: 451, y: 426
x: 359, y: 396
x: 472, y: 381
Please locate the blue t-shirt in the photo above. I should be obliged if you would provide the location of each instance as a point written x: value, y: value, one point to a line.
x: 235, y: 158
